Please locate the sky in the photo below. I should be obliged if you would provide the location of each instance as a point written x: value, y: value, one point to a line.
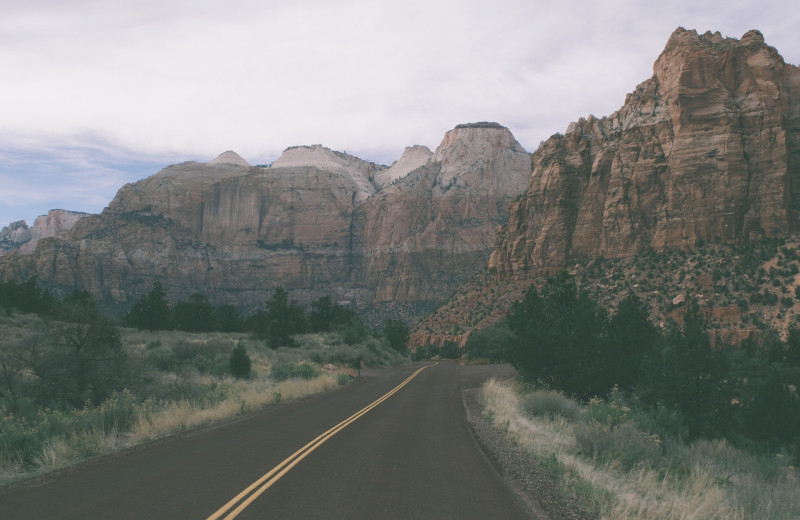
x: 95, y: 94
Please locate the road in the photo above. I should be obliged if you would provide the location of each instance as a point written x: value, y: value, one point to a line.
x: 410, y: 455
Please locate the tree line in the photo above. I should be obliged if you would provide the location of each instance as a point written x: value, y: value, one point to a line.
x: 559, y: 337
x: 276, y: 322
x: 77, y: 356
x: 280, y: 318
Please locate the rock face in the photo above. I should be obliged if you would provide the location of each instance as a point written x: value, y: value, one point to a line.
x: 421, y: 233
x: 316, y: 222
x: 22, y: 239
x: 708, y: 149
x: 229, y: 157
x: 14, y: 235
x: 413, y: 157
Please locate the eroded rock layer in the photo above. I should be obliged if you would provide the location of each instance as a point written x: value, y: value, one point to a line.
x: 316, y: 222
x: 705, y: 150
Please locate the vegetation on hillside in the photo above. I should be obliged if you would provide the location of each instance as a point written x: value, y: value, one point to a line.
x: 561, y: 339
x: 74, y: 383
x: 744, y: 291
x: 617, y: 461
x: 637, y: 421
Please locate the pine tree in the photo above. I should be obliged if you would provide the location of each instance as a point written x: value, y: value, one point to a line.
x: 151, y: 312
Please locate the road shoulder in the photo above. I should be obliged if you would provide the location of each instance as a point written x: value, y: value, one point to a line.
x: 521, y: 473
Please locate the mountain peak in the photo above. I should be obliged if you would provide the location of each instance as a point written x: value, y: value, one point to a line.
x: 229, y: 157
x: 413, y: 157
x: 463, y: 150
x: 360, y: 171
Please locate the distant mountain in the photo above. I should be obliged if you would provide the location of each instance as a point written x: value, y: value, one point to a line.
x: 317, y: 222
x: 705, y: 151
x: 18, y: 237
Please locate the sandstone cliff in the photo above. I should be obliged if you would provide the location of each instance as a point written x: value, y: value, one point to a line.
x: 317, y: 222
x: 706, y: 150
x: 424, y: 231
x: 13, y: 236
x: 22, y: 239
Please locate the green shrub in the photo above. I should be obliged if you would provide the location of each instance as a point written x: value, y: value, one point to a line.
x: 551, y: 404
x: 240, y: 362
x: 301, y: 370
x: 624, y: 444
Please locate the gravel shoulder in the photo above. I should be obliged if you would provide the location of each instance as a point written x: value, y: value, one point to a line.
x: 531, y: 484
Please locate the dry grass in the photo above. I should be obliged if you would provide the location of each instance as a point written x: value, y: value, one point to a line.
x: 705, y: 480
x: 245, y: 397
x: 183, y: 383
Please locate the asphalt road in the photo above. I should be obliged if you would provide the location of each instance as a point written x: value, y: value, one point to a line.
x: 411, y: 455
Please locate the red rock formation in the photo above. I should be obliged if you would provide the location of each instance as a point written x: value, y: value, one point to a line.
x: 705, y: 150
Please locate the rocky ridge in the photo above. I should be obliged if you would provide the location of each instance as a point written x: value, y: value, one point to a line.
x: 706, y: 150
x: 316, y: 221
x: 18, y: 237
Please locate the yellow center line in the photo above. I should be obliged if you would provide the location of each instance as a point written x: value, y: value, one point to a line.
x: 281, y: 469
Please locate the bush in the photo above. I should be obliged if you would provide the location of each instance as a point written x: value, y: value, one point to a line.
x: 355, y: 332
x: 450, y: 350
x: 490, y: 342
x: 547, y: 403
x: 624, y: 444
x: 301, y: 370
x: 240, y: 362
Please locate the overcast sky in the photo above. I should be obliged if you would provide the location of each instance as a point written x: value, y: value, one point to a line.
x: 95, y: 94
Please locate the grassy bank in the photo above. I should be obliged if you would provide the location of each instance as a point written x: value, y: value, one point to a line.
x: 174, y: 381
x: 625, y: 464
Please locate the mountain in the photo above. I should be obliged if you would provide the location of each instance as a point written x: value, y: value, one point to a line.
x: 705, y: 151
x: 17, y: 236
x: 419, y: 235
x: 316, y: 221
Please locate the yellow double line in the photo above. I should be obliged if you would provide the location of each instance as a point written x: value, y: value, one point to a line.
x: 254, y: 490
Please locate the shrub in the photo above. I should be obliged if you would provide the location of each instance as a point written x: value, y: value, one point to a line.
x: 551, y: 404
x: 624, y: 444
x: 450, y: 350
x: 301, y: 370
x: 240, y: 362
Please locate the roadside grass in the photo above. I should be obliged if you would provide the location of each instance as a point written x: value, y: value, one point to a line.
x: 603, y: 460
x: 182, y: 381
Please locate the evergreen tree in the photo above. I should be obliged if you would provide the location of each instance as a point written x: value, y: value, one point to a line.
x: 283, y: 318
x: 397, y: 334
x: 322, y: 314
x: 196, y: 315
x: 631, y: 336
x: 560, y: 337
x: 690, y: 375
x: 227, y: 319
x: 240, y: 362
x: 151, y: 312
x: 83, y: 359
x: 490, y: 343
x: 773, y: 412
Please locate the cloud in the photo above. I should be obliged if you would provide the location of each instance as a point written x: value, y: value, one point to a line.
x: 151, y: 80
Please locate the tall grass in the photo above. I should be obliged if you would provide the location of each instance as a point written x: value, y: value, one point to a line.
x: 602, y: 459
